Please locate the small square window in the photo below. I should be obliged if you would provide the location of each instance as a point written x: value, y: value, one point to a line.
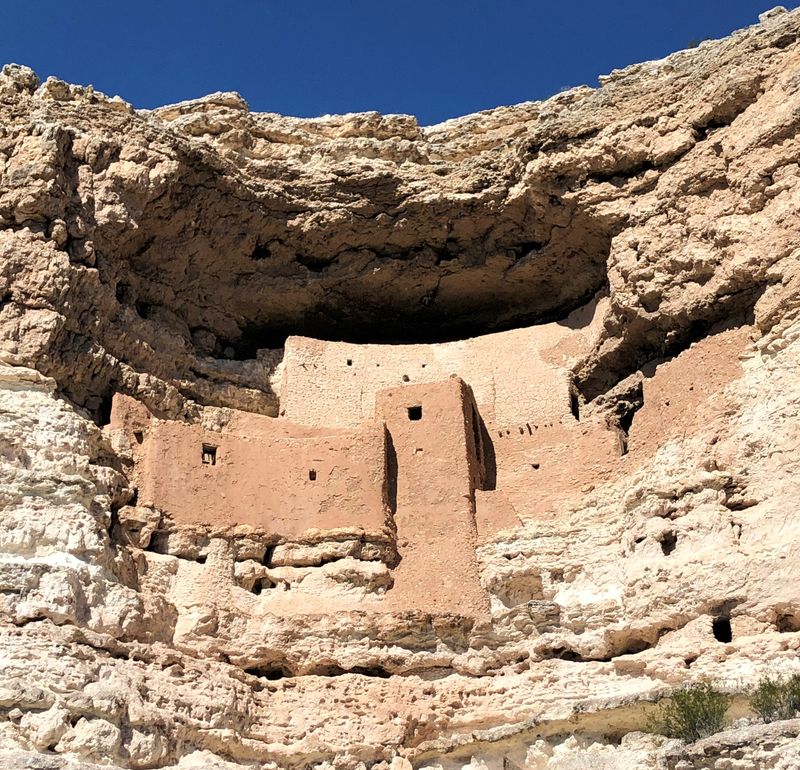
x: 349, y: 361
x: 414, y: 412
x: 209, y: 454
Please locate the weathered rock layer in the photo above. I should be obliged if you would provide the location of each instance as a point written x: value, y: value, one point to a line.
x: 638, y: 244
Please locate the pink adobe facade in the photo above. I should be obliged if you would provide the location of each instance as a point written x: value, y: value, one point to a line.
x: 408, y: 476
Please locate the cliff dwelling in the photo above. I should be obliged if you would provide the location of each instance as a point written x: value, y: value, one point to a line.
x: 347, y: 443
x: 389, y: 447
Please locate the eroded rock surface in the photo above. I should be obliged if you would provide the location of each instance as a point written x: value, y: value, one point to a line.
x: 593, y: 302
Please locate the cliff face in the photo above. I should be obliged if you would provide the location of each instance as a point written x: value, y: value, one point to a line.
x: 627, y: 260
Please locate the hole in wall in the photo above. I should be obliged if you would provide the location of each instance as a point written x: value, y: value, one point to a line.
x: 414, y: 413
x: 269, y: 672
x: 334, y: 670
x: 209, y: 454
x: 787, y: 623
x: 312, y: 475
x: 104, y: 408
x: 260, y: 252
x: 668, y: 543
x: 721, y: 628
x: 349, y: 361
x: 566, y: 653
x: 138, y: 436
x: 634, y: 646
x: 535, y: 466
x: 144, y: 309
x: 405, y: 378
x: 262, y: 584
x: 123, y: 293
x: 269, y: 552
x: 574, y: 403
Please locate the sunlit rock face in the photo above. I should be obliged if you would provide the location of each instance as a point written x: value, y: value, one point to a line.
x: 350, y: 443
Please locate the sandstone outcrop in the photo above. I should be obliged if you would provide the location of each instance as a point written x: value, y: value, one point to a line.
x: 352, y: 443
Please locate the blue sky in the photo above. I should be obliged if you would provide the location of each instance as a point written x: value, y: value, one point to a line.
x: 436, y: 59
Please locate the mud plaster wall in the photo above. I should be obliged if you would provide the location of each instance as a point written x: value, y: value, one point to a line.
x: 262, y: 475
x: 437, y: 473
x: 516, y: 376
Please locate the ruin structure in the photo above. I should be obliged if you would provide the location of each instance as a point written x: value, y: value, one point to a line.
x: 347, y: 443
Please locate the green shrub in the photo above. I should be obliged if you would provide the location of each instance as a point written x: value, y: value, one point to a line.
x: 692, y: 713
x: 775, y: 699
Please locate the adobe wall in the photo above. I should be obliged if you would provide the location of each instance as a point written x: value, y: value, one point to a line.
x: 438, y: 470
x: 265, y: 473
x: 516, y: 376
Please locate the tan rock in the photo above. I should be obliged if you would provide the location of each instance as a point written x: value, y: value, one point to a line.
x: 347, y: 443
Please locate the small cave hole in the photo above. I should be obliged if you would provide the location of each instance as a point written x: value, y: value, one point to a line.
x: 269, y: 552
x: 787, y: 623
x: 104, y: 409
x: 634, y: 646
x: 414, y: 413
x: 312, y: 475
x: 260, y: 252
x: 405, y: 378
x: 138, y: 436
x: 535, y: 466
x: 565, y: 653
x: 143, y: 309
x: 574, y: 404
x: 123, y: 293
x: 209, y: 454
x: 374, y: 671
x: 202, y: 559
x: 272, y: 673
x: 668, y: 543
x: 721, y: 628
x: 261, y: 585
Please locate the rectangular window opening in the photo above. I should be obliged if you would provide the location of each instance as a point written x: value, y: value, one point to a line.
x: 414, y: 412
x: 209, y: 454
x: 312, y: 475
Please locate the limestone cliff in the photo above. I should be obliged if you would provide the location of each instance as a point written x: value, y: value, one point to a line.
x: 599, y: 507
